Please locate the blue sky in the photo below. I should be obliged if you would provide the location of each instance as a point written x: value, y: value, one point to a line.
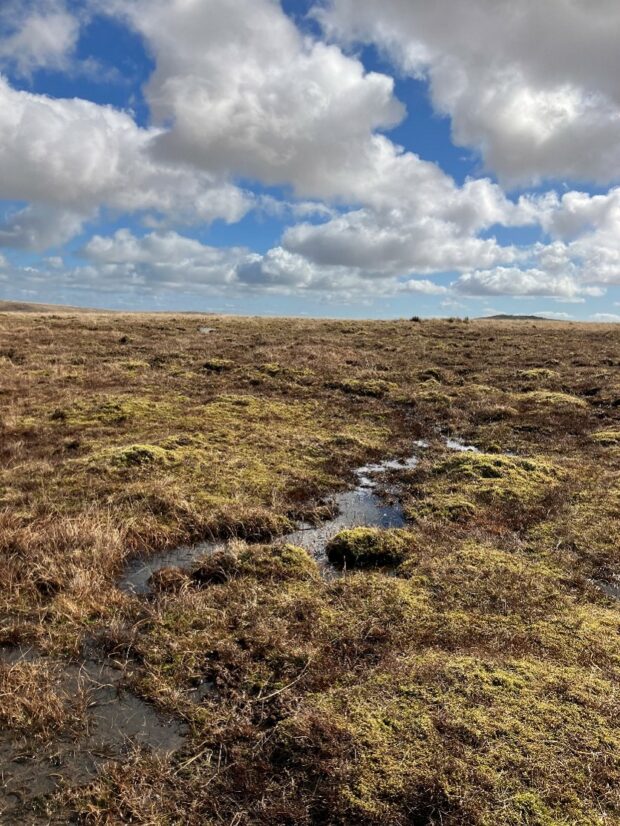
x: 318, y: 157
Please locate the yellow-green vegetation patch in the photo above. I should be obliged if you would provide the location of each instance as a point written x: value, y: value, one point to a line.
x: 218, y: 365
x: 485, y: 579
x: 132, y: 456
x: 606, y: 438
x: 116, y: 410
x: 368, y: 547
x: 455, y: 487
x: 271, y: 369
x: 263, y: 562
x: 550, y: 398
x: 134, y: 365
x: 539, y: 374
x: 435, y: 398
x: 585, y: 533
x: 453, y: 739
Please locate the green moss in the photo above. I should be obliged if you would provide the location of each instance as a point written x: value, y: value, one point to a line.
x: 606, y: 437
x: 451, y: 506
x: 281, y: 563
x: 368, y: 547
x: 271, y: 369
x: 278, y: 562
x: 135, y: 456
x: 549, y: 398
x: 134, y: 365
x: 444, y: 738
x: 456, y: 487
x: 539, y: 374
x: 116, y: 410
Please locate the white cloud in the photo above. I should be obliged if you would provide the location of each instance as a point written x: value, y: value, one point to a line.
x: 41, y: 226
x: 522, y: 282
x: 423, y: 286
x: 554, y: 315
x: 604, y: 318
x: 249, y: 95
x: 531, y: 85
x: 392, y: 243
x: 69, y: 157
x: 162, y: 260
x: 36, y: 35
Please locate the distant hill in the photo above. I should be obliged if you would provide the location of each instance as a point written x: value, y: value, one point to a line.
x: 509, y: 317
x: 31, y: 307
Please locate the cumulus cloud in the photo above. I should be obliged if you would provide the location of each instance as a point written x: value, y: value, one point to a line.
x: 424, y: 287
x: 522, y: 282
x: 163, y: 260
x: 76, y: 156
x: 532, y: 86
x: 167, y: 260
x: 247, y: 93
x: 554, y: 315
x: 40, y: 226
x: 37, y: 35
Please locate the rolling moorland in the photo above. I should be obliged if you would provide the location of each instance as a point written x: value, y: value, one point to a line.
x: 459, y: 668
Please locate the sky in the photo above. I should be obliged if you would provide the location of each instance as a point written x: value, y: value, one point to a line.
x: 341, y: 158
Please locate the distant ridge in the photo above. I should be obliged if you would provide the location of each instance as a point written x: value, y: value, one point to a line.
x: 31, y: 307
x: 509, y: 317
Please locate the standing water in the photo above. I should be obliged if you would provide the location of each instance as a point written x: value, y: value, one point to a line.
x: 362, y: 506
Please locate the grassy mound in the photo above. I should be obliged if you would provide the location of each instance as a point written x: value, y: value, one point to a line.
x: 460, y: 486
x: 550, y: 398
x: 368, y: 547
x: 262, y: 562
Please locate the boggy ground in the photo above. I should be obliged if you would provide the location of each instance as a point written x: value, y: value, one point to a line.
x: 474, y: 680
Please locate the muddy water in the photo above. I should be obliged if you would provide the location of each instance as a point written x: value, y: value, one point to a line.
x: 117, y: 721
x: 457, y: 444
x: 612, y: 589
x: 362, y: 506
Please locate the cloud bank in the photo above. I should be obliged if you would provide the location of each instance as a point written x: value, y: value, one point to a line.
x: 241, y: 101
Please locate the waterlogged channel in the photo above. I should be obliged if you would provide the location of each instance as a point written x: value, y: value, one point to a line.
x: 116, y: 722
x: 361, y: 506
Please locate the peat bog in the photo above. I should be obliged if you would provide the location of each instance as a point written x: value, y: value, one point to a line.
x: 262, y: 571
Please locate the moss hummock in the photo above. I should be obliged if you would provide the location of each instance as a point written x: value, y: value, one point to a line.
x: 460, y: 486
x: 369, y: 547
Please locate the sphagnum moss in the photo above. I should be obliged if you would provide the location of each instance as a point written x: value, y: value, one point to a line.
x: 472, y: 683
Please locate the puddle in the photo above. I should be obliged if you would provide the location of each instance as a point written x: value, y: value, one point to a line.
x: 457, y: 444
x: 362, y: 506
x: 116, y: 722
x: 612, y: 589
x: 138, y: 572
x: 357, y: 507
